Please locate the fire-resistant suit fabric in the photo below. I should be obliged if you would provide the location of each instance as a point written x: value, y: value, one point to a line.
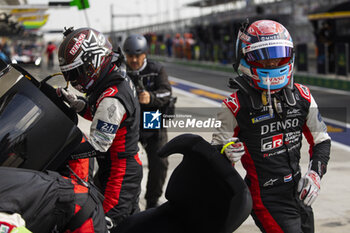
x: 46, y: 201
x: 114, y: 111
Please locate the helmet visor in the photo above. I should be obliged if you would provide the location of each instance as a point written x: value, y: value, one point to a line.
x: 269, y: 50
x: 75, y: 74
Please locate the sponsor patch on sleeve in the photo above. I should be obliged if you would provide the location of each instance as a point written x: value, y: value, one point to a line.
x: 304, y: 91
x: 232, y: 103
x: 106, y: 127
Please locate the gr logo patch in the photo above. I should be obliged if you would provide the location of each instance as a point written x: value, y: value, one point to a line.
x: 272, y: 142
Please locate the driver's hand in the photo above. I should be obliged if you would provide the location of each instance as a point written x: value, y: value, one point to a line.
x: 233, y: 149
x: 76, y: 103
x: 309, y: 187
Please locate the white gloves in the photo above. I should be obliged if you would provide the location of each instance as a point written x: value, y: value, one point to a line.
x: 74, y: 102
x: 233, y: 149
x: 309, y: 187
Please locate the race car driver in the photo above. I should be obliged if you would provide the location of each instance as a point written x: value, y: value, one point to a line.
x: 262, y: 125
x: 89, y: 64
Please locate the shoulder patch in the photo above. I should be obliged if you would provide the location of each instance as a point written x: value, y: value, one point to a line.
x: 111, y: 91
x: 232, y: 103
x: 106, y: 127
x: 304, y: 91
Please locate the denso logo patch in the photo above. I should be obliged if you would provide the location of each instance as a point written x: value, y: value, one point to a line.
x: 272, y: 142
x: 77, y: 44
x: 279, y: 125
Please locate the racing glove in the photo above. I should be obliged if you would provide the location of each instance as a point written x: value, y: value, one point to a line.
x: 233, y: 149
x: 309, y: 187
x: 110, y: 223
x: 78, y: 104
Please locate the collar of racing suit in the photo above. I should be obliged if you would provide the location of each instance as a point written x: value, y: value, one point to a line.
x: 114, y: 77
x: 255, y: 96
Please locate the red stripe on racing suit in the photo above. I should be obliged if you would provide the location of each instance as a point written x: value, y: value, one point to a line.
x: 264, y: 216
x: 119, y: 172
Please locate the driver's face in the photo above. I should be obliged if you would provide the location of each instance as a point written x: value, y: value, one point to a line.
x: 270, y: 63
x: 135, y: 62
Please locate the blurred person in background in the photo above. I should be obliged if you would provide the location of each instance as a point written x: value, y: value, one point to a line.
x: 89, y: 64
x: 3, y: 55
x: 19, y: 48
x: 154, y: 93
x: 188, y: 48
x: 169, y: 45
x: 326, y: 37
x: 178, y: 45
x: 262, y: 125
x: 50, y: 49
x: 6, y: 50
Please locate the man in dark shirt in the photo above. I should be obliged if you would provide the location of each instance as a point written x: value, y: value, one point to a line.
x: 154, y: 92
